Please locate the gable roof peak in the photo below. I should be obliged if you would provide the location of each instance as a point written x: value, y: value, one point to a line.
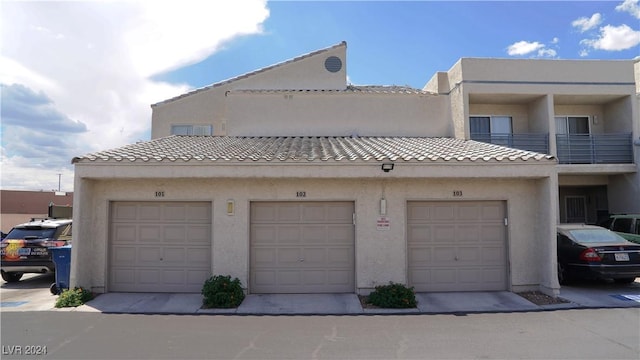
x: 254, y: 72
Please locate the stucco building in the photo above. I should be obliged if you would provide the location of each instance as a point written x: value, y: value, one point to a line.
x: 296, y: 182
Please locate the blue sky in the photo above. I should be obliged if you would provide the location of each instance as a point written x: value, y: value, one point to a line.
x: 79, y: 76
x: 404, y: 43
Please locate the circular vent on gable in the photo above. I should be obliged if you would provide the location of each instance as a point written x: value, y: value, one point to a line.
x: 333, y: 64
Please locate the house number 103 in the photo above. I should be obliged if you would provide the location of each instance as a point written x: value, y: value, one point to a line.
x: 457, y: 192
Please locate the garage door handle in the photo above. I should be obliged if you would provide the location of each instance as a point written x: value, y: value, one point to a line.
x: 161, y: 259
x: 301, y: 260
x: 456, y: 258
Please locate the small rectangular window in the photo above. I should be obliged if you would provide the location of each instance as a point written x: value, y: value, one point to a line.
x: 572, y: 125
x: 622, y: 225
x: 191, y: 130
x: 490, y: 124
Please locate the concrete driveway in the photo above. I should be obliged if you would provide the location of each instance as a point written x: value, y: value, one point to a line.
x: 29, y: 294
x: 32, y: 294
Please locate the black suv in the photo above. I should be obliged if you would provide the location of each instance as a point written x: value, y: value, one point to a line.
x: 25, y: 249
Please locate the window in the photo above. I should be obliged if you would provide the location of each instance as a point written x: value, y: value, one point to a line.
x: 576, y: 209
x: 491, y: 129
x: 622, y: 225
x: 490, y: 125
x: 191, y: 130
x: 572, y: 125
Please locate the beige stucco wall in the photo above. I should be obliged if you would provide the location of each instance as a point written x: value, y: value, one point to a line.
x: 380, y: 255
x: 337, y: 114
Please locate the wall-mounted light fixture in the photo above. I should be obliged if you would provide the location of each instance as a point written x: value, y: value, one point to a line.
x: 231, y: 207
x: 386, y: 167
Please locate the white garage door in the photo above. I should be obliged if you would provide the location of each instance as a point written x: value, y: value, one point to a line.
x: 302, y: 247
x: 159, y: 246
x: 457, y: 246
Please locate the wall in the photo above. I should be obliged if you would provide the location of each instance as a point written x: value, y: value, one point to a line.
x: 380, y: 255
x: 336, y: 114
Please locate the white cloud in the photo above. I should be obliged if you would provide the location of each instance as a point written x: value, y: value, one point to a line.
x: 524, y: 48
x: 535, y: 49
x: 547, y: 53
x: 614, y: 38
x: 92, y: 61
x: 630, y: 6
x: 585, y: 24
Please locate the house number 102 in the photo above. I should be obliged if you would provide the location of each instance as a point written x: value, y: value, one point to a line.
x: 301, y: 194
x: 457, y: 192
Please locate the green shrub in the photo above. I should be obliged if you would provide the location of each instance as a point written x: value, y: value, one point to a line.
x: 222, y: 292
x: 395, y: 296
x: 73, y: 297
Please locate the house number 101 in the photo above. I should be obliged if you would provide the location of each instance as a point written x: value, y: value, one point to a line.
x: 159, y: 193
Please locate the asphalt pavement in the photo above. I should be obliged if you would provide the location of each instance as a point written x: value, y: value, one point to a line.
x: 566, y: 334
x: 32, y: 294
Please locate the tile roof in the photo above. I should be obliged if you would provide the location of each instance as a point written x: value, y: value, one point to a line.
x: 311, y: 149
x: 353, y: 89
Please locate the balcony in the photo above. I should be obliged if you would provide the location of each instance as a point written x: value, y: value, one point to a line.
x: 594, y: 149
x: 530, y: 142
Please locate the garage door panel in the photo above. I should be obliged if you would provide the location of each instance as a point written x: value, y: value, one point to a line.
x: 314, y: 256
x: 339, y: 213
x: 493, y: 255
x: 492, y: 212
x: 443, y: 255
x: 443, y: 212
x: 340, y: 256
x: 419, y: 234
x: 159, y: 248
x: 175, y: 255
x: 289, y: 277
x: 124, y: 255
x: 148, y: 255
x: 313, y: 247
x: 151, y: 212
x: 125, y: 211
x: 174, y: 234
x: 313, y: 234
x: 443, y: 233
x: 420, y: 256
x: 150, y: 233
x: 288, y: 234
x: 314, y: 277
x: 264, y: 234
x: 340, y: 235
x: 469, y: 213
x: 288, y: 213
x: 288, y: 257
x: 198, y: 257
x: 264, y: 257
x: 148, y: 276
x: 124, y: 233
x: 313, y: 213
x: 200, y: 213
x: 173, y: 277
x: 457, y: 246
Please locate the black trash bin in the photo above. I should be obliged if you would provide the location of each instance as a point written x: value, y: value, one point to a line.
x: 62, y: 258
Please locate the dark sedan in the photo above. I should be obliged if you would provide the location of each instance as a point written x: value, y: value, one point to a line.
x: 593, y: 252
